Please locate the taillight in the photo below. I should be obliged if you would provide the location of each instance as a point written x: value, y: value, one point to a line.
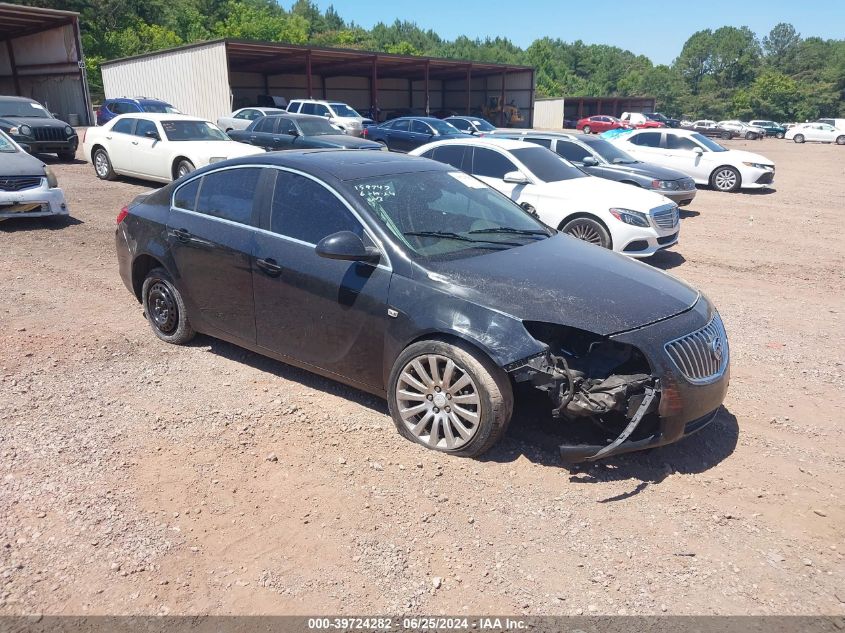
x: 365, y: 132
x: 122, y: 215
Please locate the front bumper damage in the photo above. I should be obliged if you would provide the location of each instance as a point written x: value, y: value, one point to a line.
x: 624, y: 385
x: 37, y: 202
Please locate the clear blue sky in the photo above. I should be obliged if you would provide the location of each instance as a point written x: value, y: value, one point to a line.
x: 642, y: 26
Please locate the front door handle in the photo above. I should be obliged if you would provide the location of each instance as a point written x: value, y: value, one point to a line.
x: 269, y: 266
x: 183, y: 235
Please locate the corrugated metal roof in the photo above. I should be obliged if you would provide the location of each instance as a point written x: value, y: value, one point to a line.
x: 17, y: 20
x: 278, y: 58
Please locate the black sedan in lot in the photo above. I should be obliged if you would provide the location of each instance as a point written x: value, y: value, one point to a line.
x: 298, y: 131
x: 35, y: 129
x: 416, y: 282
x: 598, y: 157
x: 407, y: 133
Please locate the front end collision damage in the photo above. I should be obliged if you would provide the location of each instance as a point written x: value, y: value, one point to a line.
x: 588, y: 377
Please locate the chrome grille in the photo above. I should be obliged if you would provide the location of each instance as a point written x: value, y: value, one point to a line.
x: 19, y: 183
x: 666, y: 217
x: 49, y: 134
x: 701, y: 356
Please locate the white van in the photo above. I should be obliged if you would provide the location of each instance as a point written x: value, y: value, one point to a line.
x: 839, y: 124
x: 338, y: 113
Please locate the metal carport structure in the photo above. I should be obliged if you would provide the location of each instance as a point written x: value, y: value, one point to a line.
x: 41, y: 58
x: 210, y: 78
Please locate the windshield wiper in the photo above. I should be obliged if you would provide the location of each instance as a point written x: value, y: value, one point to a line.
x: 508, y: 229
x: 456, y: 236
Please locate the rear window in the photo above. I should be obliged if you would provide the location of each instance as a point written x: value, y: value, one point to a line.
x: 228, y: 194
x: 647, y: 139
x: 124, y: 126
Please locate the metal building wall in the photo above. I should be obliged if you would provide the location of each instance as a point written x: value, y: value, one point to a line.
x: 195, y: 80
x: 47, y: 65
x: 548, y: 114
x: 519, y: 89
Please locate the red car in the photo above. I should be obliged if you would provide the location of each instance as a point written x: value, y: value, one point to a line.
x: 600, y: 123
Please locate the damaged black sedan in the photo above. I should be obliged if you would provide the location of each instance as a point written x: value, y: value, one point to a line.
x: 410, y: 280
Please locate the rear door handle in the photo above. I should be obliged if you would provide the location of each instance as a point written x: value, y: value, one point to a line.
x: 269, y: 266
x: 183, y: 235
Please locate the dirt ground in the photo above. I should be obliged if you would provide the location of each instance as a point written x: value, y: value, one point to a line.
x: 138, y: 477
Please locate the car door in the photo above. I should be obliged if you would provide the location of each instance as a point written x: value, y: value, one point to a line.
x: 287, y: 135
x: 397, y: 136
x: 261, y: 135
x: 211, y: 235
x: 575, y: 154
x: 681, y: 154
x: 646, y: 146
x: 327, y: 313
x: 120, y: 147
x: 490, y: 166
x: 148, y: 155
x: 419, y: 134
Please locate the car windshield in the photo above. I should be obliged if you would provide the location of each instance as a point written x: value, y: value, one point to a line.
x: 159, y: 108
x: 656, y: 116
x: 609, y: 151
x: 192, y: 131
x: 709, y: 143
x: 20, y: 109
x: 6, y: 144
x: 546, y: 165
x: 341, y: 109
x: 442, y: 127
x: 482, y: 125
x: 442, y: 215
x: 316, y: 127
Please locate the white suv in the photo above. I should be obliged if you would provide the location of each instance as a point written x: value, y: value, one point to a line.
x: 338, y: 113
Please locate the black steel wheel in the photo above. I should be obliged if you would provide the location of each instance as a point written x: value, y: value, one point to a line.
x: 588, y: 230
x: 165, y: 309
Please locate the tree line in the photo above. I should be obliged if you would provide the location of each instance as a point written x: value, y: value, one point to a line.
x: 724, y: 73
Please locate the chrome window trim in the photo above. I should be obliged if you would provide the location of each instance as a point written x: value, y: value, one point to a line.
x: 388, y: 266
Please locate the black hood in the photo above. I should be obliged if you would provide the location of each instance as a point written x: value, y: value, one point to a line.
x: 20, y: 164
x: 569, y: 282
x: 32, y: 121
x: 646, y: 169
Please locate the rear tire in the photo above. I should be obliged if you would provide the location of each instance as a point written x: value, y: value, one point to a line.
x: 102, y: 165
x: 725, y: 179
x: 726, y: 136
x: 428, y: 410
x: 165, y: 309
x: 779, y: 135
x: 798, y: 138
x: 750, y: 136
x: 588, y: 230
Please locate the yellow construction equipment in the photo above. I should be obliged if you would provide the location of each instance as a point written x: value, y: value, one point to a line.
x: 493, y: 109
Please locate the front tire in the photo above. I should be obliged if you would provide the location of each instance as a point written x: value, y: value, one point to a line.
x: 840, y: 140
x: 165, y: 308
x: 66, y: 156
x: 798, y: 138
x: 102, y: 165
x: 588, y: 230
x: 725, y: 179
x: 449, y: 398
x: 586, y: 129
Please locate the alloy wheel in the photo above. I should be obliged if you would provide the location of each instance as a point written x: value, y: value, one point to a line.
x: 162, y: 308
x: 101, y: 164
x: 585, y: 231
x: 438, y: 401
x: 586, y: 129
x: 725, y: 179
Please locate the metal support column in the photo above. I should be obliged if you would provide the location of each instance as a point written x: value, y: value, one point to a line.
x: 15, y: 78
x: 427, y: 102
x: 309, y: 86
x: 374, y: 90
x: 502, y: 103
x: 469, y: 90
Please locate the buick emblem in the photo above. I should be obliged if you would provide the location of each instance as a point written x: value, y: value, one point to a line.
x: 716, y: 347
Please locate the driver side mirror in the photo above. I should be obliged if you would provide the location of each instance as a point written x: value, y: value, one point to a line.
x: 153, y: 135
x: 516, y: 178
x: 698, y: 151
x: 346, y: 246
x: 590, y: 161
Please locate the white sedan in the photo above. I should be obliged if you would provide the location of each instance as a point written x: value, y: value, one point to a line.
x: 626, y: 219
x: 240, y: 119
x: 160, y: 147
x: 820, y: 132
x: 701, y: 158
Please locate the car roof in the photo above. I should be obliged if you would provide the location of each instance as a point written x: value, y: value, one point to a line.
x: 539, y: 134
x: 23, y: 99
x: 294, y: 115
x: 427, y: 119
x: 343, y: 164
x: 486, y: 141
x: 158, y: 116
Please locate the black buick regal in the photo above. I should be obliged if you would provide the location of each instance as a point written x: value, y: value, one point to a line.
x: 407, y: 279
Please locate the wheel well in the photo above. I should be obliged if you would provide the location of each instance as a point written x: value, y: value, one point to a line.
x: 94, y: 149
x: 142, y: 265
x: 175, y: 165
x: 589, y: 216
x: 452, y: 339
